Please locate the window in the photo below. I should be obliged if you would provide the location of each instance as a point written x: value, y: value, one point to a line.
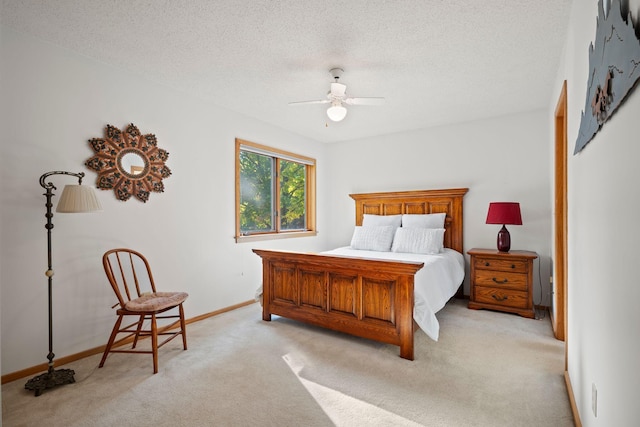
x: 275, y: 193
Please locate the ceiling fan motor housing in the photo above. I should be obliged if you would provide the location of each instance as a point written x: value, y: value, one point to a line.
x: 336, y: 73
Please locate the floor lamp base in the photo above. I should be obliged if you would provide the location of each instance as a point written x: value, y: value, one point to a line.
x: 50, y: 379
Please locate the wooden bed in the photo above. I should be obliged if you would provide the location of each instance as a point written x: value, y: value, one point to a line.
x: 367, y: 298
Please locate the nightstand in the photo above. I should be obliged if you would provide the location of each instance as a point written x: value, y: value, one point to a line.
x: 502, y: 281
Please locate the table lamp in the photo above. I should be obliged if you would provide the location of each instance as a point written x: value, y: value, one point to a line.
x: 504, y: 213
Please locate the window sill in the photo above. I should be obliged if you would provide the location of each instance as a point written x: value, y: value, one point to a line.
x: 275, y: 236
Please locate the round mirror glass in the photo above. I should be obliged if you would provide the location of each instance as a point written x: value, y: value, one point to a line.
x: 132, y: 163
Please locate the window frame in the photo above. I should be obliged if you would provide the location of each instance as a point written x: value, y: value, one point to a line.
x: 310, y: 208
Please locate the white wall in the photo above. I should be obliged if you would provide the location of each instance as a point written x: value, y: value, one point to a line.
x: 53, y: 101
x: 499, y: 159
x: 603, y: 338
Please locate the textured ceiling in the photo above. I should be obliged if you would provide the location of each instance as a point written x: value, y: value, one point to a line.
x: 435, y: 61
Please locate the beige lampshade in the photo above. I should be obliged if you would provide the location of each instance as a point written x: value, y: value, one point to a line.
x: 78, y: 199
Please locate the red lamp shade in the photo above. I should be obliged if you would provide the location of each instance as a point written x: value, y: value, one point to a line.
x: 504, y: 213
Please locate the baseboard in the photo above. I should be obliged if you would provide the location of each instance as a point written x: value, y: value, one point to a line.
x: 572, y: 400
x: 98, y: 350
x: 222, y: 310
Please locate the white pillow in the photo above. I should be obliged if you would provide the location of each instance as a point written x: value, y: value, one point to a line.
x: 418, y: 240
x: 424, y: 220
x: 373, y: 238
x: 380, y: 220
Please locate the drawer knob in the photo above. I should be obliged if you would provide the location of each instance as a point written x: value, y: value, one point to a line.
x: 486, y: 264
x: 513, y: 266
x: 499, y: 298
x: 500, y: 281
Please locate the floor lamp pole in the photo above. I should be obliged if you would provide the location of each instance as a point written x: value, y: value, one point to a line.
x: 52, y: 377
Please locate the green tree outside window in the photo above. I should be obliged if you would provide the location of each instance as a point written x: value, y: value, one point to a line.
x: 258, y: 212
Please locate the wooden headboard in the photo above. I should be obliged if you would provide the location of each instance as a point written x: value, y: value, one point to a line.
x: 417, y: 202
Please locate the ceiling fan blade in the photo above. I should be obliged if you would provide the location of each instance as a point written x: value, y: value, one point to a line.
x: 317, y: 101
x: 364, y: 101
x: 338, y: 89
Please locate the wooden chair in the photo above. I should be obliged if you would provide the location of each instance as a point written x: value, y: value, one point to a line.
x: 130, y: 276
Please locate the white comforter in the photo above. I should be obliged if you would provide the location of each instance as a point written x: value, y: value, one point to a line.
x: 434, y: 284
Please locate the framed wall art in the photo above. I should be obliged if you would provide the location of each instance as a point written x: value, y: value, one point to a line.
x: 614, y: 67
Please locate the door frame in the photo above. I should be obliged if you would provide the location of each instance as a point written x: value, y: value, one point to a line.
x: 559, y: 312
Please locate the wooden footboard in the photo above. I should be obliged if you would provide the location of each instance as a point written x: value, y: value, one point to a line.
x: 367, y: 298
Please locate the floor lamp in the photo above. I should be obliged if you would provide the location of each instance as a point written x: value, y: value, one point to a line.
x: 74, y: 199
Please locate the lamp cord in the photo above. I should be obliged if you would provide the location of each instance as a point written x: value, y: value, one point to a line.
x: 544, y: 312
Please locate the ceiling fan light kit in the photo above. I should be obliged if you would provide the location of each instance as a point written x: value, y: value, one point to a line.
x: 337, y: 97
x: 336, y: 112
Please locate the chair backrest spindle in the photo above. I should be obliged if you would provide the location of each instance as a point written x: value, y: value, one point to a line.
x: 135, y: 276
x: 125, y: 285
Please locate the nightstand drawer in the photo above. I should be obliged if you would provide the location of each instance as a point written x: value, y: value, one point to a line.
x: 515, y: 265
x: 501, y: 279
x: 502, y: 297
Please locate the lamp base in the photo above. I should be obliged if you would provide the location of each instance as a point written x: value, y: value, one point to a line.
x: 50, y: 379
x: 504, y: 240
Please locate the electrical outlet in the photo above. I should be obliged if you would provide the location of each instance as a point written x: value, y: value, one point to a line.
x: 551, y: 280
x: 594, y: 399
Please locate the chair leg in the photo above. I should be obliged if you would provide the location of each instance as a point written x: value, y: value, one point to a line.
x: 138, y: 329
x: 183, y: 327
x: 112, y: 338
x: 154, y: 342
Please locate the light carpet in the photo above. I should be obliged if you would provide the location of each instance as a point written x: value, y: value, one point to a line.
x: 487, y: 369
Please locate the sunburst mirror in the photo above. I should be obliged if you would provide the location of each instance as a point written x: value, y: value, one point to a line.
x: 129, y: 163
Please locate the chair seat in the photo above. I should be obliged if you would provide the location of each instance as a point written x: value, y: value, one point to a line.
x: 156, y: 301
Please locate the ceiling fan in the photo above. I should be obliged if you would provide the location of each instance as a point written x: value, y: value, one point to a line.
x: 337, y: 97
